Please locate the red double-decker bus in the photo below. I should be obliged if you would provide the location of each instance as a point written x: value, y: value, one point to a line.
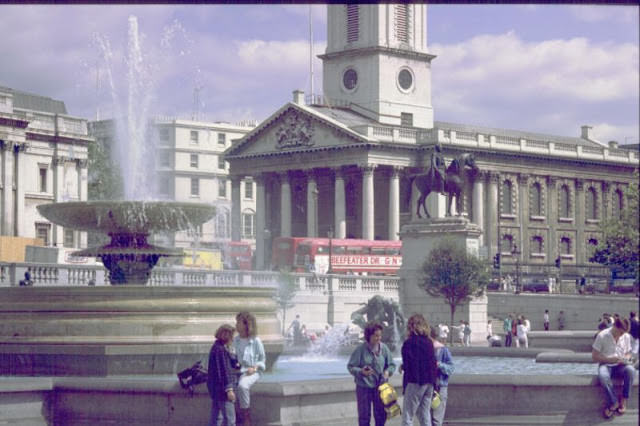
x: 347, y: 256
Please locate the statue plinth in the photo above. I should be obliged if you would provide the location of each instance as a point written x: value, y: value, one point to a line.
x: 419, y: 237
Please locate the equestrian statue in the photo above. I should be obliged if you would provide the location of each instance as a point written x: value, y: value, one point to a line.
x: 449, y: 181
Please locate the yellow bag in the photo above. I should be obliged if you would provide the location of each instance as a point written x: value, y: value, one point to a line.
x: 435, y: 400
x: 389, y: 398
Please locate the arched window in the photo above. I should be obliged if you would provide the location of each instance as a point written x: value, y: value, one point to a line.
x: 536, y: 245
x: 222, y: 224
x: 507, y: 205
x: 565, y: 202
x: 536, y: 200
x: 590, y: 204
x: 353, y: 22
x: 565, y: 245
x: 618, y: 203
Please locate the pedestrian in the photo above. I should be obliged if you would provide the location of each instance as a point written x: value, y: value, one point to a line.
x: 222, y: 379
x: 467, y: 334
x: 444, y: 368
x: 583, y: 282
x: 612, y: 351
x: 489, y: 330
x: 297, y: 334
x: 371, y: 364
x: 526, y: 322
x: 461, y: 333
x: 514, y: 326
x: 633, y: 331
x: 506, y: 327
x: 545, y: 320
x: 522, y: 339
x: 251, y: 356
x: 443, y: 332
x: 26, y: 282
x: 420, y: 372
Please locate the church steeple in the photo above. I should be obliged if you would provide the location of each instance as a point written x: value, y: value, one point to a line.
x: 377, y: 59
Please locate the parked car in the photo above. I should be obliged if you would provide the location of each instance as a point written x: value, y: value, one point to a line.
x: 494, y: 285
x: 536, y: 286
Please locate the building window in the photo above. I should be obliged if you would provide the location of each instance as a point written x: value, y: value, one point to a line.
x: 248, y: 189
x: 194, y: 161
x: 164, y: 135
x: 353, y: 23
x: 221, y: 164
x: 536, y: 245
x: 42, y: 232
x: 592, y: 244
x: 222, y: 224
x: 222, y: 188
x: 164, y: 186
x: 565, y: 246
x: 69, y: 238
x: 222, y: 139
x: 402, y: 22
x: 506, y: 246
x: 43, y: 179
x: 591, y: 204
x: 618, y: 203
x: 195, y: 187
x: 507, y: 205
x: 165, y: 158
x: 565, y: 200
x: 248, y: 229
x: 194, y: 136
x: 406, y: 119
x: 536, y: 200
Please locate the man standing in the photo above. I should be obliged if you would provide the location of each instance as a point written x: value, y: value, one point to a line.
x: 612, y: 350
x: 297, y: 333
x: 546, y: 320
x: 506, y: 327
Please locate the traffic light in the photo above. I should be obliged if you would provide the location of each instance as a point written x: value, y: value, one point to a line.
x: 496, y: 261
x: 558, y: 261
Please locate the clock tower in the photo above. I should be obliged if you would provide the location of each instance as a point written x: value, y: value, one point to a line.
x: 377, y: 60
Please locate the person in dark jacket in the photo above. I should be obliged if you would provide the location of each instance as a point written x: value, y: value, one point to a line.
x: 420, y: 372
x: 222, y: 378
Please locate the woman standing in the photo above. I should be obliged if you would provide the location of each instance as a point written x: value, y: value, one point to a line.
x: 222, y: 379
x: 419, y: 365
x: 371, y: 364
x: 522, y: 334
x: 251, y: 356
x: 444, y: 364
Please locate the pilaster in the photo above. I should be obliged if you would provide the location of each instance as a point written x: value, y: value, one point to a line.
x: 368, y: 220
x: 312, y: 204
x: 339, y: 214
x: 523, y: 192
x: 394, y: 204
x: 285, y: 205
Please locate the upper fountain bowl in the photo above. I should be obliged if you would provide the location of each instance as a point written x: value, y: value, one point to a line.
x: 127, y: 216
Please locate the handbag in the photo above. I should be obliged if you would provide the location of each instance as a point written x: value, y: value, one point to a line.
x: 389, y: 398
x: 192, y: 376
x: 435, y: 400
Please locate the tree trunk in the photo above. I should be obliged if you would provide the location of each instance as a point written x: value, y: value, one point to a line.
x: 284, y: 319
x: 453, y: 313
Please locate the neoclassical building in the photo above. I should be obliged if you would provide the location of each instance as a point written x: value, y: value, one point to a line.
x: 43, y: 159
x: 341, y: 163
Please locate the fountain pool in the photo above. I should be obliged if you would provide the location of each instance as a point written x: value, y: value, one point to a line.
x: 297, y: 368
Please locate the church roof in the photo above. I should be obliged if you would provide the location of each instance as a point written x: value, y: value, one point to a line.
x: 33, y: 102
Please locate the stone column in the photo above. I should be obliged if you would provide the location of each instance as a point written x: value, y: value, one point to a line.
x: 339, y: 209
x: 312, y: 204
x: 492, y: 214
x: 82, y: 194
x: 20, y: 187
x: 236, y: 208
x: 368, y: 223
x: 394, y: 204
x: 261, y: 223
x: 580, y: 242
x: 7, y: 188
x: 552, y: 218
x: 478, y: 205
x: 523, y: 192
x: 285, y: 205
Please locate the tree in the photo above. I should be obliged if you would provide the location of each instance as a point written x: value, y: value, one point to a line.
x: 287, y: 288
x: 454, y: 274
x: 621, y: 243
x: 105, y: 181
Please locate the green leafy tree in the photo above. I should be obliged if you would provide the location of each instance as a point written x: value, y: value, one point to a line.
x: 621, y: 243
x: 105, y: 182
x: 287, y: 288
x: 454, y: 274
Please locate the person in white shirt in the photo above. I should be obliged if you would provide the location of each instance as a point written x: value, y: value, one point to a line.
x: 612, y: 350
x: 546, y: 320
x: 521, y: 333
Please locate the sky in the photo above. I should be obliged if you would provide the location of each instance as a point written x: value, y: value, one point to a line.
x: 538, y: 68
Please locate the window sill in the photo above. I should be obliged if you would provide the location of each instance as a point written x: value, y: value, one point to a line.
x: 537, y: 218
x: 565, y: 219
x: 567, y: 256
x: 593, y: 221
x: 538, y: 255
x: 507, y: 216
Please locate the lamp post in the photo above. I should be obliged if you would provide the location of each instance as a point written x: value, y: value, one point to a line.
x: 330, y: 235
x: 516, y: 254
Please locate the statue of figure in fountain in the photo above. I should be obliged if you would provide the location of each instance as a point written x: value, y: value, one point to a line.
x: 385, y: 311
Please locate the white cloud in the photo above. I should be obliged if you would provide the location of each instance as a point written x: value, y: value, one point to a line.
x: 604, y: 132
x: 282, y: 56
x: 600, y: 13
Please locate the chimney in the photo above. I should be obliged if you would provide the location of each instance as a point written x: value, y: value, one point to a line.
x: 613, y: 144
x: 298, y: 97
x: 586, y: 132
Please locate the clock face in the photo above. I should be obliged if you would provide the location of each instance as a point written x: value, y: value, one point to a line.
x: 350, y: 79
x: 405, y: 79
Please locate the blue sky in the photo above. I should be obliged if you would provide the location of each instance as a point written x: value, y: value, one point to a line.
x: 543, y: 68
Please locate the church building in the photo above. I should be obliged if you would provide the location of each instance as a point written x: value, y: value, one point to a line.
x: 340, y: 164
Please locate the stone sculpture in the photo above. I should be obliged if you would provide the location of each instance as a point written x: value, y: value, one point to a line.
x: 388, y: 313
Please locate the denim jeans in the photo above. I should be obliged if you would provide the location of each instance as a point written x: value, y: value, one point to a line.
x: 507, y: 339
x: 437, y: 415
x: 365, y: 397
x: 244, y: 388
x: 223, y: 413
x: 417, y: 400
x: 605, y: 373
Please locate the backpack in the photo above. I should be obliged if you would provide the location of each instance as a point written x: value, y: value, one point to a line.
x: 192, y: 376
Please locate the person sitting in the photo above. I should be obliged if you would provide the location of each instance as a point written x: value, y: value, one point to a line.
x: 26, y: 282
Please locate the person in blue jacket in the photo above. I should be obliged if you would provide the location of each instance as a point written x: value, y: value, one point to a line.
x: 371, y: 364
x: 444, y: 364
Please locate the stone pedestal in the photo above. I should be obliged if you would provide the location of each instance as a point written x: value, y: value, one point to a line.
x: 418, y: 239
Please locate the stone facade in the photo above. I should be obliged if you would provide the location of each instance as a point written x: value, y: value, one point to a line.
x: 43, y: 159
x: 342, y: 163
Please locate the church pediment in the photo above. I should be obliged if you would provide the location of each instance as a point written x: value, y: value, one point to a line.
x: 295, y: 128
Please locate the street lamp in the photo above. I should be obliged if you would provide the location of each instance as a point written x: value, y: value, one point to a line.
x: 330, y: 235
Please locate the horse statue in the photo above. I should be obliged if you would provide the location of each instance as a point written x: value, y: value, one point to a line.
x: 454, y: 181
